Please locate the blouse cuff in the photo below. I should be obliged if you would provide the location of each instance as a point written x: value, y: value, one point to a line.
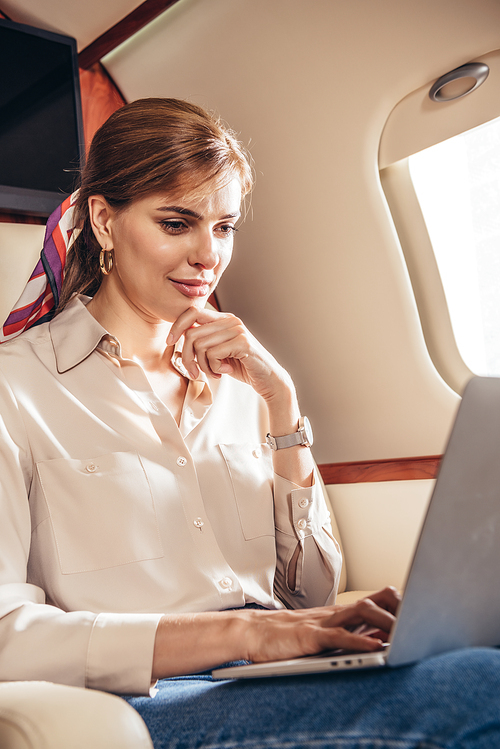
x: 120, y: 653
x: 299, y: 511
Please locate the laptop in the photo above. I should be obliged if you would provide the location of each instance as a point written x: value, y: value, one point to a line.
x: 451, y: 598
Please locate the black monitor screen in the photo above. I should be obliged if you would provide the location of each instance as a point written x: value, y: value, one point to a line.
x: 40, y: 118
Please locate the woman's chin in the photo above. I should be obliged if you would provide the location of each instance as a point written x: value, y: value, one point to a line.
x: 196, y: 303
x: 172, y: 315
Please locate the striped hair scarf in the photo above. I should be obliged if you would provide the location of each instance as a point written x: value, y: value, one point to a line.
x: 39, y: 300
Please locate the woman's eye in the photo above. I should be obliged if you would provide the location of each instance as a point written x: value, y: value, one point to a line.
x: 227, y: 230
x: 173, y: 226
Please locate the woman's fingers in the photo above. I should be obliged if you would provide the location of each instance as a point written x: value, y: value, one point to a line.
x: 275, y: 639
x: 191, y: 316
x: 204, y: 331
x: 345, y: 640
x: 216, y: 348
x: 334, y: 639
x: 365, y: 611
x: 218, y: 343
x: 389, y: 598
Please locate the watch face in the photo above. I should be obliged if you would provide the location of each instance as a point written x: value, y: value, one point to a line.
x: 308, y: 430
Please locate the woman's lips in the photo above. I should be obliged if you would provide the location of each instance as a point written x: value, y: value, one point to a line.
x: 192, y: 288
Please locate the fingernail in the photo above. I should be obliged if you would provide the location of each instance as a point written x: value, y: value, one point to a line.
x: 170, y: 339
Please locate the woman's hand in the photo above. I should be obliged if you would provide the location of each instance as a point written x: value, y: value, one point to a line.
x: 290, y: 634
x: 218, y: 343
x: 188, y: 643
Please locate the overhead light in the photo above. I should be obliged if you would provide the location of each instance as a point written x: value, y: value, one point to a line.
x: 459, y: 82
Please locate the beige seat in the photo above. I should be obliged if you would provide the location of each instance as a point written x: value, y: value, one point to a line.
x: 344, y: 596
x: 40, y: 715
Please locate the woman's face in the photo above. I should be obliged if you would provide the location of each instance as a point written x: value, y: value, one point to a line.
x: 169, y: 253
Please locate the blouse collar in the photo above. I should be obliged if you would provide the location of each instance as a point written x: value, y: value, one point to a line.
x: 76, y: 334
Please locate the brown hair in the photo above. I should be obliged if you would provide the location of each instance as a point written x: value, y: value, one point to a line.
x: 147, y: 146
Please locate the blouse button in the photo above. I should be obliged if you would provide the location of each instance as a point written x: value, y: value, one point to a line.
x: 91, y: 467
x: 198, y: 523
x: 257, y: 453
x: 226, y: 583
x: 302, y: 524
x: 303, y: 502
x: 181, y: 460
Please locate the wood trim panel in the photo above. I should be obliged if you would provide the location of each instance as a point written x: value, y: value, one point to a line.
x: 21, y: 218
x: 392, y: 469
x: 123, y: 30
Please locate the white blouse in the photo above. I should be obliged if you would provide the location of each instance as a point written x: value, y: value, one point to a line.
x: 111, y: 515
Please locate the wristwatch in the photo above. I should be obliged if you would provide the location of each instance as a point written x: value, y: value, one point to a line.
x: 303, y: 436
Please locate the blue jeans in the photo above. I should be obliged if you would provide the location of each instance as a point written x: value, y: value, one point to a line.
x: 449, y: 701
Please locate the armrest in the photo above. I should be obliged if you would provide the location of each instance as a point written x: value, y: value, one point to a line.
x: 41, y: 715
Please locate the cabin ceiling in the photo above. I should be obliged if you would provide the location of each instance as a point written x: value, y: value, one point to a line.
x: 84, y: 20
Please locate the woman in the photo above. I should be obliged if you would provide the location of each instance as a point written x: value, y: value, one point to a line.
x: 149, y: 530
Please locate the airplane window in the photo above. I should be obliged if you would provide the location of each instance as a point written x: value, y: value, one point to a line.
x: 457, y: 183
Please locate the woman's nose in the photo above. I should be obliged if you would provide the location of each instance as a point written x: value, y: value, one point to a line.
x: 206, y: 251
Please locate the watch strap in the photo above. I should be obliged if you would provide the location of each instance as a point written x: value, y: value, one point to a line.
x: 290, y: 440
x: 287, y: 440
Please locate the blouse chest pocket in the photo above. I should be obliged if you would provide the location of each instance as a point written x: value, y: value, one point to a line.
x: 251, y: 471
x: 102, y: 511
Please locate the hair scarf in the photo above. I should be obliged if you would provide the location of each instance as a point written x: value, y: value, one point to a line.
x: 38, y: 302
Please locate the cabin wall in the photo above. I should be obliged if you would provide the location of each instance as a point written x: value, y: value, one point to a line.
x: 318, y: 273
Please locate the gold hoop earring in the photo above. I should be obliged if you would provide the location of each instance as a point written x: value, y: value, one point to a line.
x: 106, y: 261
